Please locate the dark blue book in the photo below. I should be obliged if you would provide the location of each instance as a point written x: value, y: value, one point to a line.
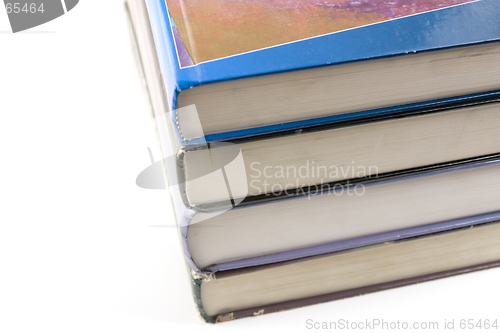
x: 255, y: 67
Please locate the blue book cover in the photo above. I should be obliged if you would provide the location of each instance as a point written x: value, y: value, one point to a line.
x: 201, y: 42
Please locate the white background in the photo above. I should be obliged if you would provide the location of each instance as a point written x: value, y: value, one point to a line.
x: 78, y: 252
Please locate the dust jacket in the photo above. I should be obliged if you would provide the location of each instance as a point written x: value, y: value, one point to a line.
x: 206, y: 41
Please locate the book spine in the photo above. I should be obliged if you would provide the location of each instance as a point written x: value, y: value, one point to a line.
x: 164, y: 41
x: 149, y: 69
x: 196, y: 281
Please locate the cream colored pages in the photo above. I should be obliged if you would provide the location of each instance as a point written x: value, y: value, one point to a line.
x: 354, y: 269
x: 285, y: 225
x: 285, y: 163
x: 358, y: 86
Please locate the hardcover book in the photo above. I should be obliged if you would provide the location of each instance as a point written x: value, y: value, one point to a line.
x: 270, y: 288
x: 253, y: 67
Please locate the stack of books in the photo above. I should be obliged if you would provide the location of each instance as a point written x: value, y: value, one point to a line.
x: 317, y: 150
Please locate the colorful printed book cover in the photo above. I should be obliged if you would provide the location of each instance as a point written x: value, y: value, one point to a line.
x: 215, y: 29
